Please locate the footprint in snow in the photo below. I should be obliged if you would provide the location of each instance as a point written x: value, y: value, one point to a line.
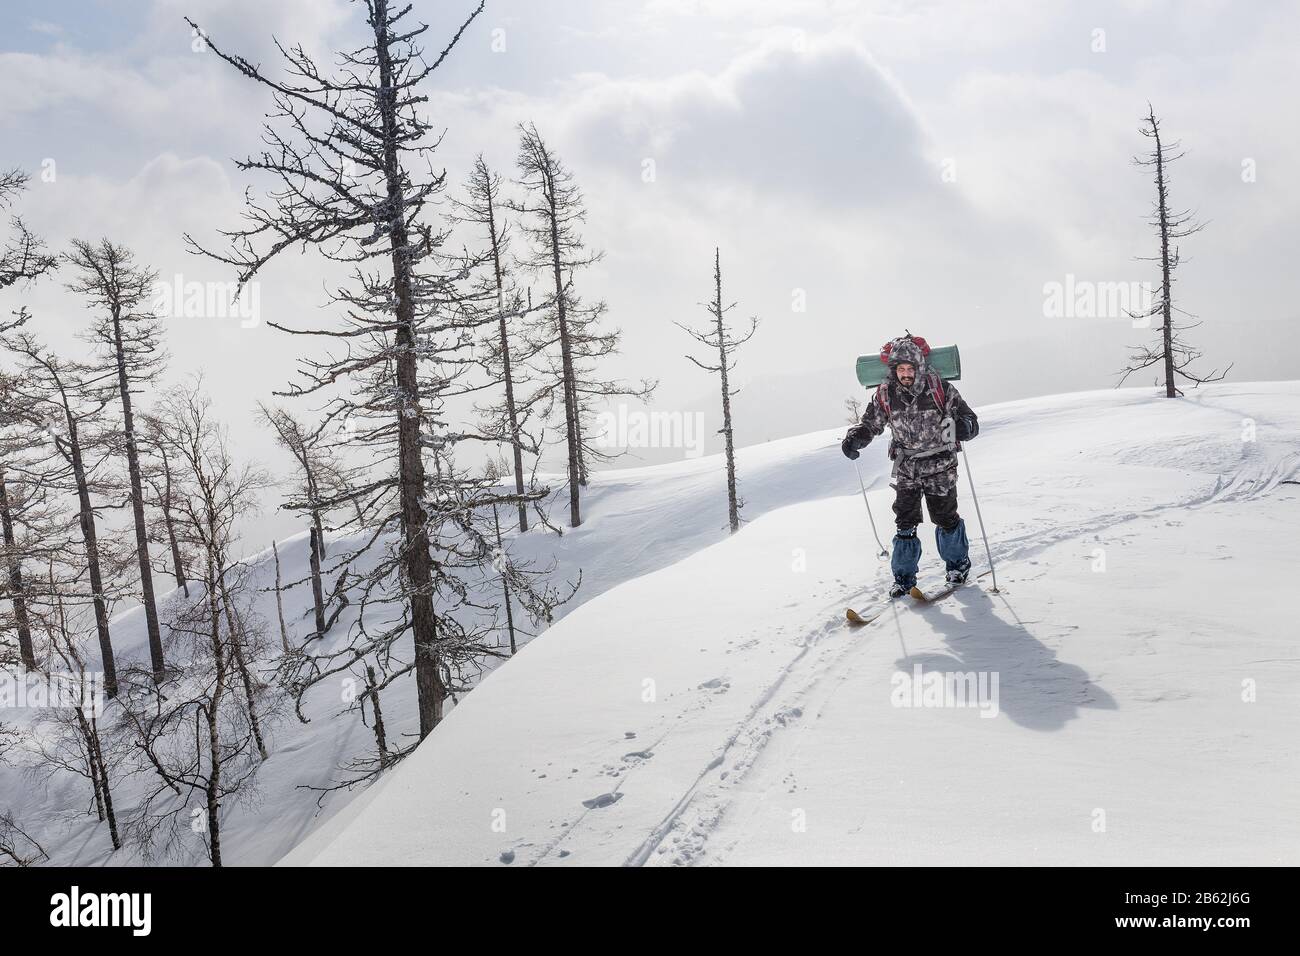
x: 507, y: 857
x: 784, y: 717
x: 639, y: 755
x: 718, y: 684
x: 604, y: 800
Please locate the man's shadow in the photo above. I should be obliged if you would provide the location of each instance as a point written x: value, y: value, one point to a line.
x: 1035, y: 688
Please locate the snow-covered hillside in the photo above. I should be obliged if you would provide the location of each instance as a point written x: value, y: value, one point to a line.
x: 701, y: 701
x: 713, y: 708
x: 628, y: 532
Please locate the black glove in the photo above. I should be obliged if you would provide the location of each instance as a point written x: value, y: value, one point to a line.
x: 857, y: 437
x: 968, y: 427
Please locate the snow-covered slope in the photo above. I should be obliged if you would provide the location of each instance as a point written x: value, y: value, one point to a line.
x: 717, y: 710
x: 636, y: 521
x: 703, y: 697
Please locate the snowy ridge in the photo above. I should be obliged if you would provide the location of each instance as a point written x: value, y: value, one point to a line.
x: 714, y: 710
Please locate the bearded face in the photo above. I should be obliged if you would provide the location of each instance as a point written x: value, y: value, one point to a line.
x: 906, y: 373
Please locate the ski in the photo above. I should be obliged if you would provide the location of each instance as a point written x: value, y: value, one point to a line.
x: 857, y: 618
x: 927, y: 598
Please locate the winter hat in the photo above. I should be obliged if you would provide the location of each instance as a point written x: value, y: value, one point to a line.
x: 905, y: 349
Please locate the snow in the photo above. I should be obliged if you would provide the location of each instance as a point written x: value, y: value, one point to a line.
x: 626, y: 533
x: 706, y: 703
x: 703, y: 702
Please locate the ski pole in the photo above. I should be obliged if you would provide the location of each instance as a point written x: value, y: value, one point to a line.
x: 883, y: 552
x: 975, y: 498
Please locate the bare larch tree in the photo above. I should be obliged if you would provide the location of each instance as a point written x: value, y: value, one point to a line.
x: 1171, y: 352
x: 551, y: 211
x: 17, y: 847
x: 16, y: 587
x: 483, y: 209
x: 23, y: 256
x: 346, y: 186
x: 68, y: 399
x: 853, y: 410
x: 68, y: 739
x: 719, y: 337
x: 157, y: 473
x: 192, y: 731
x: 127, y: 334
x: 24, y: 526
x: 314, y: 460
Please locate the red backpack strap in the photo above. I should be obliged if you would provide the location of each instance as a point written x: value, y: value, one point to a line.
x: 882, y: 397
x: 936, y: 386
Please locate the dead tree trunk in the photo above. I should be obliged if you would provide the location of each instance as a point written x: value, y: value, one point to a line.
x: 505, y: 588
x: 381, y: 736
x: 1172, y: 355
x: 90, y: 536
x: 317, y: 590
x: 1166, y: 300
x: 212, y: 786
x: 92, y: 768
x: 279, y: 600
x: 570, y: 385
x: 241, y: 662
x: 178, y: 566
x: 410, y: 461
x: 719, y: 338
x: 99, y: 776
x: 733, y: 511
x: 109, y: 813
x: 17, y: 591
x: 137, y: 509
x: 508, y: 376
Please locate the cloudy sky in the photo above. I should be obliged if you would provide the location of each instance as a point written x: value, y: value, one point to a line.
x: 864, y: 167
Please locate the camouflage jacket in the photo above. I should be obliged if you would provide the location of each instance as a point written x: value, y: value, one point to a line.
x: 924, y: 446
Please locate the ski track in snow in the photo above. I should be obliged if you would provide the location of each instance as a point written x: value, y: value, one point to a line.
x: 705, y: 801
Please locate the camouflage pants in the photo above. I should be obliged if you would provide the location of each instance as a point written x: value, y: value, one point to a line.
x: 935, y: 479
x: 942, y: 508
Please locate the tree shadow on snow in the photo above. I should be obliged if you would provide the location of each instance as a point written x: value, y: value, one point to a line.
x: 1035, y: 689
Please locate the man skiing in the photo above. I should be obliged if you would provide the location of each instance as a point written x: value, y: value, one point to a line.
x: 928, y: 419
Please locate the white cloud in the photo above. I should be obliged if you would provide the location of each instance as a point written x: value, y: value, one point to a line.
x: 824, y: 123
x: 812, y: 166
x: 45, y: 27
